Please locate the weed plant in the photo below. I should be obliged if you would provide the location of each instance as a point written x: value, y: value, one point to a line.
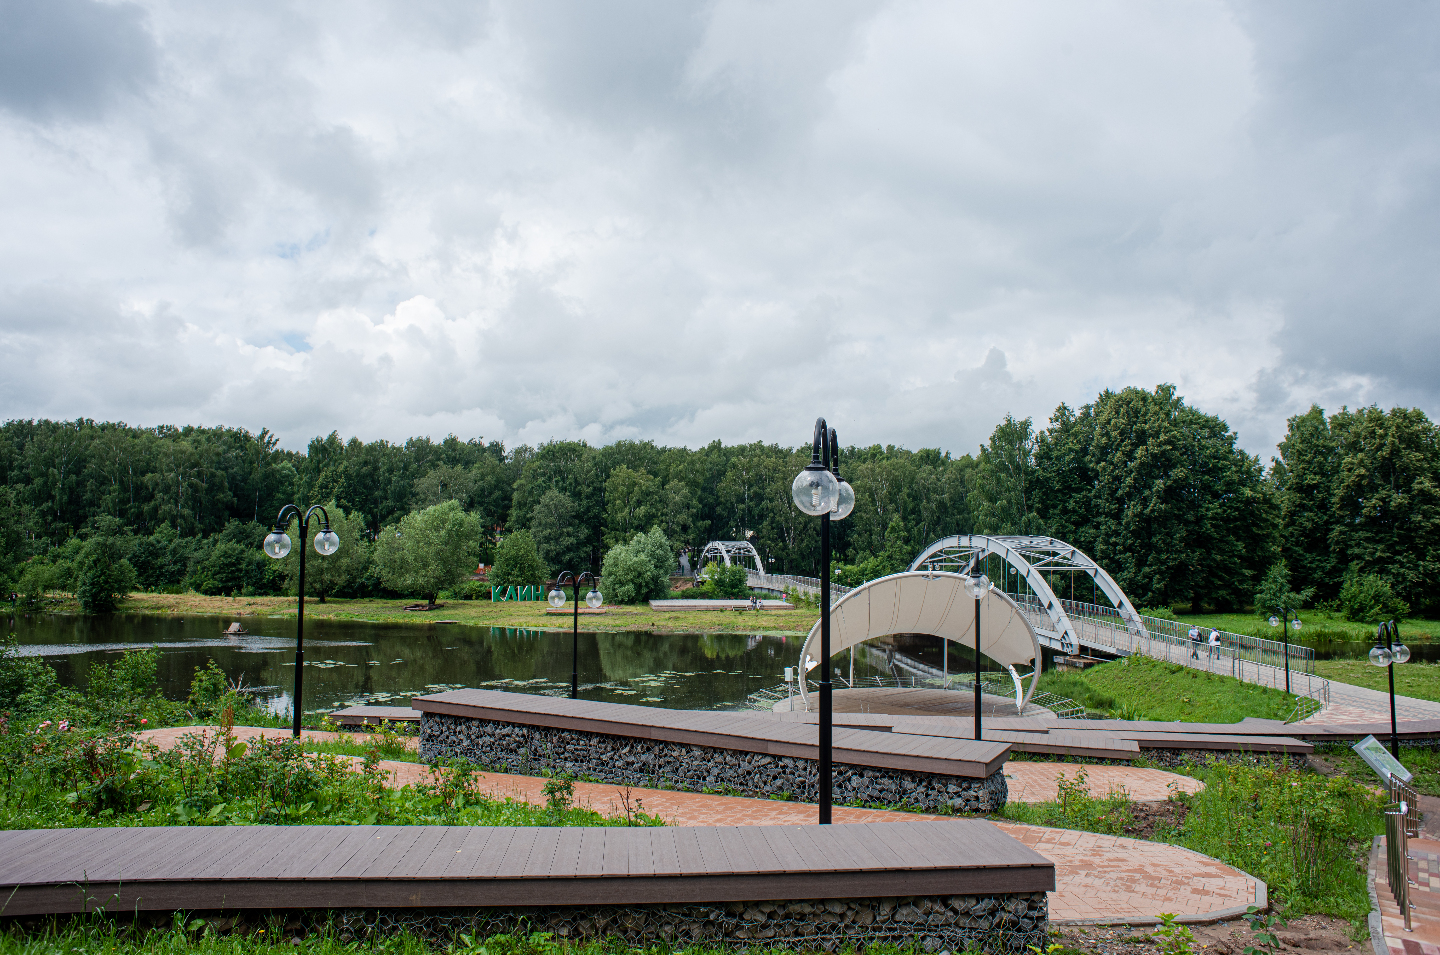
x: 63, y: 779
x: 1304, y: 835
x: 104, y: 936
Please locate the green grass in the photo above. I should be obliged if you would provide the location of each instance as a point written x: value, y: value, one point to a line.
x: 1423, y: 761
x: 1304, y: 835
x: 363, y: 746
x: 271, y: 936
x: 1316, y: 627
x: 528, y: 614
x: 1420, y: 680
x: 1140, y: 687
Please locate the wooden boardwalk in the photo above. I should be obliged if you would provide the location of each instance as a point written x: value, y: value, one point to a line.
x: 746, y: 731
x: 289, y: 867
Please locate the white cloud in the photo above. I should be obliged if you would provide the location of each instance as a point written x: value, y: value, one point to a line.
x: 537, y: 220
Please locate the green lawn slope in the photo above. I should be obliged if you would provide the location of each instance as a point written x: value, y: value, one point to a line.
x: 1141, y: 688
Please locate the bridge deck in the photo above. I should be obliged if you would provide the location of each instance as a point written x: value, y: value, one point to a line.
x: 287, y: 867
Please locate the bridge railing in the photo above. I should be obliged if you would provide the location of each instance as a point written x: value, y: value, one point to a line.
x: 1247, y: 658
x: 1106, y: 624
x: 810, y: 586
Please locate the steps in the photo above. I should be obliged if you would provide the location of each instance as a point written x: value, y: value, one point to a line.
x: 1424, y: 899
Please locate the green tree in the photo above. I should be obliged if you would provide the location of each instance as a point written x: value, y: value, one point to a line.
x: 429, y: 550
x: 558, y: 535
x: 1158, y: 493
x: 632, y: 503
x: 1004, y: 483
x: 1305, y: 476
x: 1275, y: 591
x: 1387, y: 500
x: 639, y: 570
x: 103, y: 577
x: 327, y: 576
x: 517, y: 562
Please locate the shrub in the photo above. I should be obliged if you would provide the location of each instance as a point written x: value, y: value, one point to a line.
x: 517, y: 562
x: 726, y: 582
x: 25, y: 682
x: 228, y: 569
x: 630, y: 577
x: 1368, y: 598
x: 102, y: 575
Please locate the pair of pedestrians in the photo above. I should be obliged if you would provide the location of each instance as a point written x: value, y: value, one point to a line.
x: 1213, y: 644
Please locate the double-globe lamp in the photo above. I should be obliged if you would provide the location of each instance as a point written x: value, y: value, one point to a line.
x: 277, y: 545
x: 593, y: 600
x: 820, y: 492
x: 978, y: 586
x: 1387, y: 652
x: 1275, y: 621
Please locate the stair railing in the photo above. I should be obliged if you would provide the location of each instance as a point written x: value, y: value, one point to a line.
x: 1397, y: 855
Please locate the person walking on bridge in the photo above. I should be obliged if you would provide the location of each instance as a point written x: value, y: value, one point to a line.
x: 1194, y: 643
x: 1214, y: 644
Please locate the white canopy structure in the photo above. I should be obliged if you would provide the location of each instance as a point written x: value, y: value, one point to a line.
x: 934, y: 603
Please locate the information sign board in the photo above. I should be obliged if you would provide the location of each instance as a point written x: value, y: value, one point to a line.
x: 1378, y: 758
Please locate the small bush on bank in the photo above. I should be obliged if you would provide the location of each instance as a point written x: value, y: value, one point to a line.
x: 724, y: 582
x: 1368, y: 598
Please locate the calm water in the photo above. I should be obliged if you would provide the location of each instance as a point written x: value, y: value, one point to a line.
x: 352, y: 662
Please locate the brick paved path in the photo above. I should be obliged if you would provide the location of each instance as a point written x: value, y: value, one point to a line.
x: 1098, y: 878
x: 1424, y: 939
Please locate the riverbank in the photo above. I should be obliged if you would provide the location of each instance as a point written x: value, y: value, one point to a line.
x: 529, y: 615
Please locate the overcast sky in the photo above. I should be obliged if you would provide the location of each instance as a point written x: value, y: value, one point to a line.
x: 687, y: 221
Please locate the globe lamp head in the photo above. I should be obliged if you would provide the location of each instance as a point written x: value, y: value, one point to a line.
x: 277, y: 544
x: 1295, y: 624
x: 1274, y: 620
x: 814, y: 491
x: 844, y: 501
x: 1380, y: 656
x: 327, y: 542
x: 556, y: 598
x: 593, y: 600
x: 1400, y: 652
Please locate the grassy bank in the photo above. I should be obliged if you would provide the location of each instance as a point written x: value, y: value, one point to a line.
x: 1142, y: 688
x: 481, y: 613
x: 1420, y: 680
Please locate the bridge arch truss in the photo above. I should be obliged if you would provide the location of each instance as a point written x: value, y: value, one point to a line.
x: 1032, y: 558
x: 732, y: 554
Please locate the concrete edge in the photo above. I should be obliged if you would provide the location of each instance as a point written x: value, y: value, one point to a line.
x: 1377, y: 928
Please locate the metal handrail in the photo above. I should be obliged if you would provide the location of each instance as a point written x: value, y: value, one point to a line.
x: 1397, y: 855
x: 1402, y: 793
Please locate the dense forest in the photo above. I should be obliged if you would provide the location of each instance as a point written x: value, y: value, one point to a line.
x: 1155, y: 490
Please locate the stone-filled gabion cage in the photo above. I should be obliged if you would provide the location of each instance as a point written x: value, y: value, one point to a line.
x: 528, y: 750
x: 956, y: 923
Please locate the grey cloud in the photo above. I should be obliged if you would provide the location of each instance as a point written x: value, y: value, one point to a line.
x: 71, y: 59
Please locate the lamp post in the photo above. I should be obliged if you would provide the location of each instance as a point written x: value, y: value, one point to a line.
x: 818, y: 491
x: 1387, y: 652
x: 277, y: 545
x: 979, y: 587
x: 1286, y: 615
x: 592, y: 600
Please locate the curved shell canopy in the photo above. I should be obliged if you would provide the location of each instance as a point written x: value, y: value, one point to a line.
x: 933, y: 603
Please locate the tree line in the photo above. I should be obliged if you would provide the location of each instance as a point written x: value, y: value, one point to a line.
x: 1157, y: 491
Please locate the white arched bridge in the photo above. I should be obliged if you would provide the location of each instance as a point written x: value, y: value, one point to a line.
x: 1038, y: 577
x: 1036, y: 561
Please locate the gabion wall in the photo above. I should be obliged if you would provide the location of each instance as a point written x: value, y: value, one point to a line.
x: 516, y: 748
x: 1006, y: 923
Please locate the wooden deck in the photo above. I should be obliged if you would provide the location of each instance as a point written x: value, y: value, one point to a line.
x: 1113, y: 739
x: 375, y: 715
x: 288, y: 867
x: 744, y: 731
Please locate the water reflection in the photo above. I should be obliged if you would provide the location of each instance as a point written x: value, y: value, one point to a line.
x: 351, y: 662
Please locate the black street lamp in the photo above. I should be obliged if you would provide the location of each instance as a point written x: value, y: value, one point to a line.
x: 592, y: 600
x: 277, y: 545
x: 819, y: 492
x: 1387, y: 652
x: 1286, y: 615
x: 979, y: 587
